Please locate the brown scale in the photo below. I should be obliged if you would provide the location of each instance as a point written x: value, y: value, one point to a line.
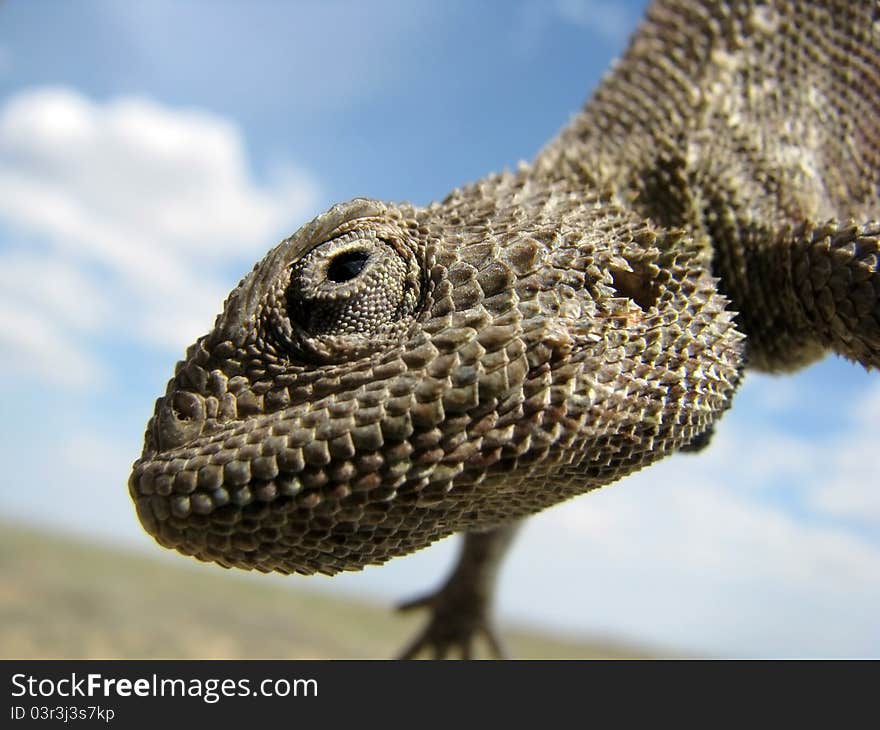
x: 389, y: 375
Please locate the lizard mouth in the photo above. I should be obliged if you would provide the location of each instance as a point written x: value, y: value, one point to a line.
x: 290, y: 492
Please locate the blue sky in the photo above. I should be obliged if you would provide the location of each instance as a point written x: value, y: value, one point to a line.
x: 150, y: 153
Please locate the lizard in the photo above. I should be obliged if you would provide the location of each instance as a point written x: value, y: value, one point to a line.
x: 392, y: 374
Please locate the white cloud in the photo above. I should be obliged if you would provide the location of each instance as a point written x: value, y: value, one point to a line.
x: 851, y: 489
x: 131, y: 172
x: 72, y: 478
x: 776, y: 393
x: 724, y: 552
x: 608, y: 19
x: 707, y: 527
x: 136, y: 206
x: 33, y: 346
x: 88, y: 455
x: 682, y: 556
x: 748, y: 548
x: 55, y: 285
x: 853, y: 495
x: 46, y: 306
x: 533, y: 19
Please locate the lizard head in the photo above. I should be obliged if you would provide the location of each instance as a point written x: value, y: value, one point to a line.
x: 390, y: 375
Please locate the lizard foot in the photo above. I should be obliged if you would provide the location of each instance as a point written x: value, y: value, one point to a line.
x: 458, y: 617
x: 461, y: 609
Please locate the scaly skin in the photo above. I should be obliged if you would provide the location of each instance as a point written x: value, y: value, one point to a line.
x: 390, y: 375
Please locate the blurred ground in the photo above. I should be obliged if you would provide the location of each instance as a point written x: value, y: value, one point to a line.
x: 62, y: 598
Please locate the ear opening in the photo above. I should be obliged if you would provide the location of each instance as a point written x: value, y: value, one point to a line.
x: 637, y: 285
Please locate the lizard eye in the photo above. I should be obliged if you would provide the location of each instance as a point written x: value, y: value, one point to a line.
x: 355, y: 284
x: 346, y: 266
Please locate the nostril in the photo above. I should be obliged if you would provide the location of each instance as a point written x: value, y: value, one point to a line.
x: 186, y: 406
x: 179, y: 419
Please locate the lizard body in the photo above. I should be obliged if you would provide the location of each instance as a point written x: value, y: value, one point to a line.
x: 391, y: 374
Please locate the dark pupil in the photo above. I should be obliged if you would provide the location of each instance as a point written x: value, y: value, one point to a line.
x: 347, y: 265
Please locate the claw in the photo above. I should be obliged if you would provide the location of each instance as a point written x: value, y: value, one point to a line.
x: 496, y: 645
x: 412, y: 649
x: 455, y: 622
x: 420, y: 602
x: 460, y: 610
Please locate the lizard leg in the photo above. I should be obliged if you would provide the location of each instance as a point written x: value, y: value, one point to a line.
x: 460, y: 610
x: 804, y: 290
x: 835, y: 280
